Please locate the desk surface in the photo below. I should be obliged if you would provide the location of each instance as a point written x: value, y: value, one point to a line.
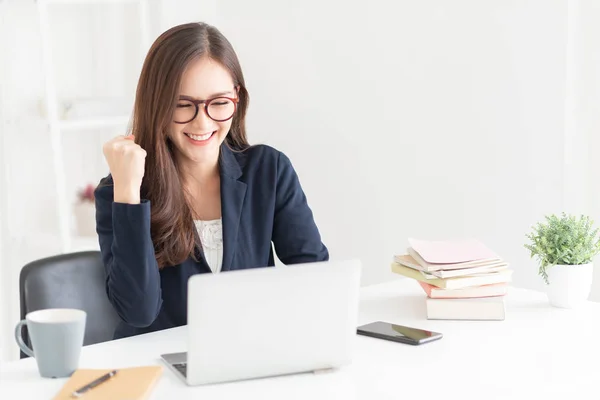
x: 537, y: 352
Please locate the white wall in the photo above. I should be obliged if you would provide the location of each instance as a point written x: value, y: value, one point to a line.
x: 587, y: 109
x: 428, y: 119
x: 3, y: 225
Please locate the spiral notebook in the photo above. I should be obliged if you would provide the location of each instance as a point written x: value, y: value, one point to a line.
x: 129, y: 383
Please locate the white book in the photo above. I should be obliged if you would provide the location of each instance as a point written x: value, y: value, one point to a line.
x: 482, y: 309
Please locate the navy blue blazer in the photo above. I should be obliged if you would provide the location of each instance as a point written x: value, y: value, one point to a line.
x: 262, y: 201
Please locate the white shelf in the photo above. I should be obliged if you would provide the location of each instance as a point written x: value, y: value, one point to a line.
x: 66, y: 125
x: 58, y: 126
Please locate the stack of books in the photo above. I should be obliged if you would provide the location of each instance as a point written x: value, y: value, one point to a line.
x: 463, y: 279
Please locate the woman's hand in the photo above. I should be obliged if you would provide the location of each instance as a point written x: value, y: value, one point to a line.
x: 126, y: 161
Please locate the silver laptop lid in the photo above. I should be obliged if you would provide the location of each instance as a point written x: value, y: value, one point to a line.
x: 272, y: 321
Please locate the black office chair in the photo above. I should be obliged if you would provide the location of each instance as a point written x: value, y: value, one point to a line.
x: 75, y: 280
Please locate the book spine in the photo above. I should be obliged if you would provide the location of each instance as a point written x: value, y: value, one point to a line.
x: 472, y: 309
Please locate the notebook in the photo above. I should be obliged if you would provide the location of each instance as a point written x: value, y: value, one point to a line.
x: 439, y: 271
x: 459, y: 282
x: 452, y: 251
x: 129, y: 383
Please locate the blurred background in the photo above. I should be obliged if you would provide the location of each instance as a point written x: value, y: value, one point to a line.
x: 428, y: 119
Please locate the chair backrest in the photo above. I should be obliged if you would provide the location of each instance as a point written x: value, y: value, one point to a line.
x: 75, y: 280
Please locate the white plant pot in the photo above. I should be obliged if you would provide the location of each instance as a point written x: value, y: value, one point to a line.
x: 85, y: 218
x: 570, y: 285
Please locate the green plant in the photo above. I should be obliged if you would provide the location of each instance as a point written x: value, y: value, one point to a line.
x: 564, y: 240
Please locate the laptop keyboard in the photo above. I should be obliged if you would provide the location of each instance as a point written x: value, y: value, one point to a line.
x: 182, y: 368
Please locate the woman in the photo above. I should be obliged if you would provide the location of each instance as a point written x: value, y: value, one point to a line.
x: 186, y: 193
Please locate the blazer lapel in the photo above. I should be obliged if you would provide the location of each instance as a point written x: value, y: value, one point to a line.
x: 233, y: 193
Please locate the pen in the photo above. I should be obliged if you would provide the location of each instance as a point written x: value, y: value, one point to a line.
x: 93, y: 384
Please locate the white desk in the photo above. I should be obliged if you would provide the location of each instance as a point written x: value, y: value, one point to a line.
x: 539, y: 352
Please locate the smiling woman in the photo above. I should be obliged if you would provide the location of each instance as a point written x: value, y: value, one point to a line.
x: 187, y: 193
x: 209, y: 124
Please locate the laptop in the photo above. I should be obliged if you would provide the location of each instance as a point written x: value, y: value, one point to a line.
x: 264, y: 322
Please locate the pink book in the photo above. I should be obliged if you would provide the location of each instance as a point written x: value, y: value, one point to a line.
x: 451, y: 251
x: 493, y: 290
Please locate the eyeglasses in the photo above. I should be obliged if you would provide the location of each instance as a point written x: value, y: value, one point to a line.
x: 219, y: 109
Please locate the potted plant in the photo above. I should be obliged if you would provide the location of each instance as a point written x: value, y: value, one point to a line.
x: 85, y: 212
x: 565, y: 247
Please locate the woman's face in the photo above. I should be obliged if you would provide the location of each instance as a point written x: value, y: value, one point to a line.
x: 198, y: 139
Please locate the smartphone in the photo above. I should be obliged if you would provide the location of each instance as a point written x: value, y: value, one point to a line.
x: 398, y: 333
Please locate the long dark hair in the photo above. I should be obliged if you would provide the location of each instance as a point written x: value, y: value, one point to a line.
x: 172, y: 224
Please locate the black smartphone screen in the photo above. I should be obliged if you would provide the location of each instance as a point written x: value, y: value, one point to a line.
x: 398, y: 333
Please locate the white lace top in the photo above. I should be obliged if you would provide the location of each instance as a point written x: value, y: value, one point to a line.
x: 211, y: 235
